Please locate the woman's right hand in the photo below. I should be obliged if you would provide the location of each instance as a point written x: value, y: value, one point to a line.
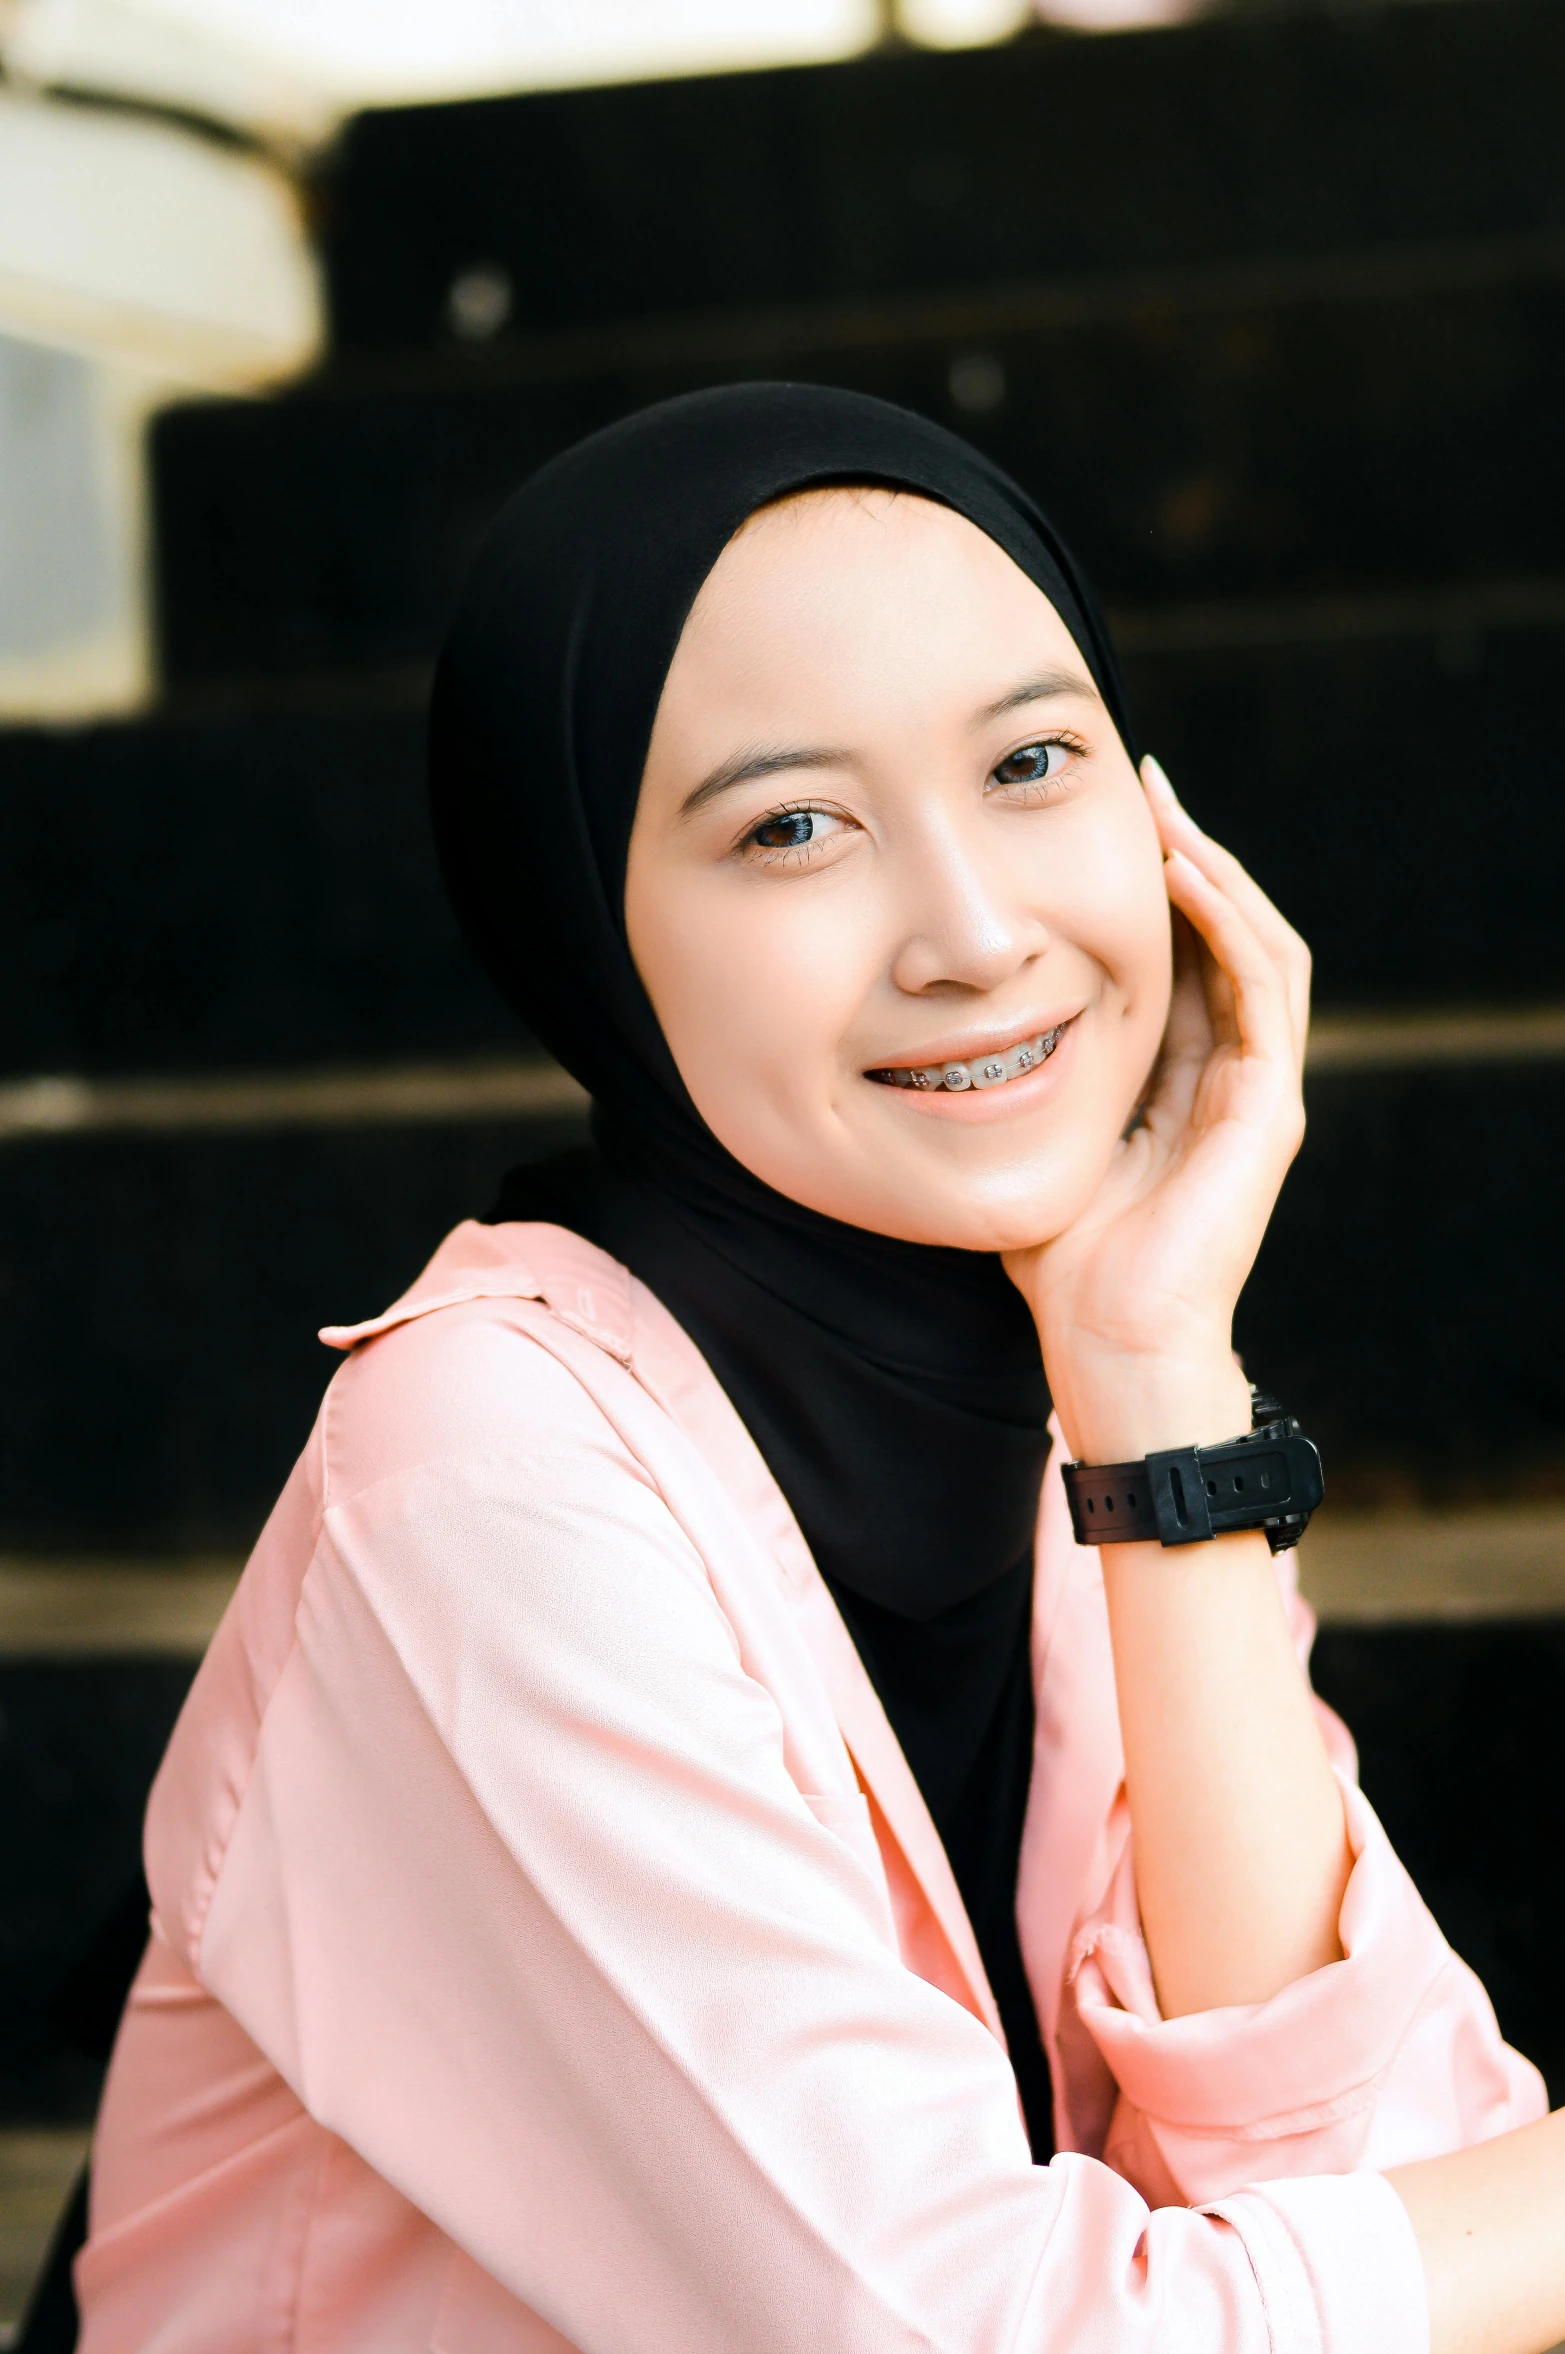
x: 1135, y: 1301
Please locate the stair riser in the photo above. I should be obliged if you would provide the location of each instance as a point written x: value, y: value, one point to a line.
x: 163, y: 1294
x: 894, y: 175
x: 1385, y: 438
x: 257, y: 888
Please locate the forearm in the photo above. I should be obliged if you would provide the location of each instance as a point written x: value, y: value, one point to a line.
x: 1240, y: 1841
x: 1491, y: 2229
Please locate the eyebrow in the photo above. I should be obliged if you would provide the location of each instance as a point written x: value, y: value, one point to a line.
x: 775, y: 760
x: 1043, y: 689
x: 763, y: 760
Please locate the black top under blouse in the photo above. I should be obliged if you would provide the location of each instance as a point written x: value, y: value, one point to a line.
x: 958, y: 1693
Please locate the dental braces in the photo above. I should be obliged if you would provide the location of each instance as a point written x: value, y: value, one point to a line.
x: 990, y: 1070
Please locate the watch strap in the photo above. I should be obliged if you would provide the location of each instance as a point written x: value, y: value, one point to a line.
x: 1268, y: 1479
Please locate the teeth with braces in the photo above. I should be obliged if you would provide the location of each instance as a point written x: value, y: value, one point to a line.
x: 988, y: 1070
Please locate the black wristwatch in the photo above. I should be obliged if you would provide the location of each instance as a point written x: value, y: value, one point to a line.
x: 1269, y: 1479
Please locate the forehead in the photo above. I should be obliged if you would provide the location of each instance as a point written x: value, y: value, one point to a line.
x: 860, y: 522
x: 852, y: 575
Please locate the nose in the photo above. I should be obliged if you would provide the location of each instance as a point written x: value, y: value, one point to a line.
x: 967, y: 930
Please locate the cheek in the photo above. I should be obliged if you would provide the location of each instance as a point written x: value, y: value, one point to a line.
x: 1142, y: 951
x: 755, y: 991
x: 1117, y: 908
x: 1108, y: 914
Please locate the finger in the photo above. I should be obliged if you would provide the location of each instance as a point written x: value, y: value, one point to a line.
x: 1181, y: 832
x: 1206, y: 979
x: 1217, y: 994
x: 1222, y: 869
x: 1246, y: 993
x: 1260, y: 1010
x: 1178, y: 831
x: 1190, y: 1013
x: 1188, y: 1036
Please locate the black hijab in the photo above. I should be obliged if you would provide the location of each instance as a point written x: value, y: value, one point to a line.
x: 895, y: 1389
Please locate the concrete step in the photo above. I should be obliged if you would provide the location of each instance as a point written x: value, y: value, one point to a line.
x: 164, y: 1289
x: 1388, y: 770
x: 1391, y: 1566
x: 1287, y: 133
x: 39, y: 2165
x: 1343, y: 424
x: 1405, y: 1295
x: 80, y: 1741
x: 164, y: 1286
x: 246, y: 886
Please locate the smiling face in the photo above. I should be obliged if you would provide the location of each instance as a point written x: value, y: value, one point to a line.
x: 893, y: 888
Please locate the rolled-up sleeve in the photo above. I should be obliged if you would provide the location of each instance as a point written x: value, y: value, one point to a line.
x: 523, y: 1901
x: 1389, y: 2055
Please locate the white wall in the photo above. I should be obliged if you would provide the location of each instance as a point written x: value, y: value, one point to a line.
x: 138, y: 261
x: 75, y: 633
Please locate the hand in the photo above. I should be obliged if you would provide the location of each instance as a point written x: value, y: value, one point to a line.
x: 1134, y: 1302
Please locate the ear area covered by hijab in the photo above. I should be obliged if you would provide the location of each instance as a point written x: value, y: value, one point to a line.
x: 895, y: 1389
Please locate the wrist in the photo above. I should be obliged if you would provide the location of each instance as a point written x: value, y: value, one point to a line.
x: 1120, y: 1411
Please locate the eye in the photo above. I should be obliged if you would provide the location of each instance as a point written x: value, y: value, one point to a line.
x: 1034, y: 764
x: 792, y: 832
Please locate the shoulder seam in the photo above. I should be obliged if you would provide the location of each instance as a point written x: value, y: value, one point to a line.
x: 331, y: 1496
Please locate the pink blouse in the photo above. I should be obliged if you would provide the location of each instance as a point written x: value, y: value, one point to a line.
x: 551, y: 1948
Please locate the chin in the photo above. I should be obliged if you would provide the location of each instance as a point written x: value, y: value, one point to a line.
x: 1014, y: 1206
x: 1008, y: 1209
x: 979, y: 1227
x: 961, y: 1220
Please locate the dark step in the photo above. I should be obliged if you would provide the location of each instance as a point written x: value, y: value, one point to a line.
x: 80, y: 1741
x: 1398, y: 795
x: 1459, y: 1750
x: 905, y: 174
x: 1405, y: 1297
x: 160, y: 1370
x: 1344, y: 430
x: 163, y: 1292
x: 247, y: 887
x: 253, y: 886
x: 1480, y: 1821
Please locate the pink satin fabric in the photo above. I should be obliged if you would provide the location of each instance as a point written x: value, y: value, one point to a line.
x: 551, y: 1948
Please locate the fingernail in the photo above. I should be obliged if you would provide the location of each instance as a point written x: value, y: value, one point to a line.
x: 1152, y: 768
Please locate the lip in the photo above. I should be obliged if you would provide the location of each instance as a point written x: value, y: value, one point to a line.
x: 970, y: 1046
x: 978, y: 1106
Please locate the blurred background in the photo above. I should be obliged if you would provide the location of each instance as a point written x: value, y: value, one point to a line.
x: 1266, y: 303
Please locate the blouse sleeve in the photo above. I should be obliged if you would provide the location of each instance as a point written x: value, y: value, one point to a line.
x: 522, y: 1901
x: 1390, y: 2055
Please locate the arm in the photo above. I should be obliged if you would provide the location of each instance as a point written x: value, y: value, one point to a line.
x: 1391, y: 2055
x: 1241, y: 1851
x: 1488, y: 2222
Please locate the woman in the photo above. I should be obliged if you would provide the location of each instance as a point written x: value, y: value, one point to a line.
x: 672, y: 1815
